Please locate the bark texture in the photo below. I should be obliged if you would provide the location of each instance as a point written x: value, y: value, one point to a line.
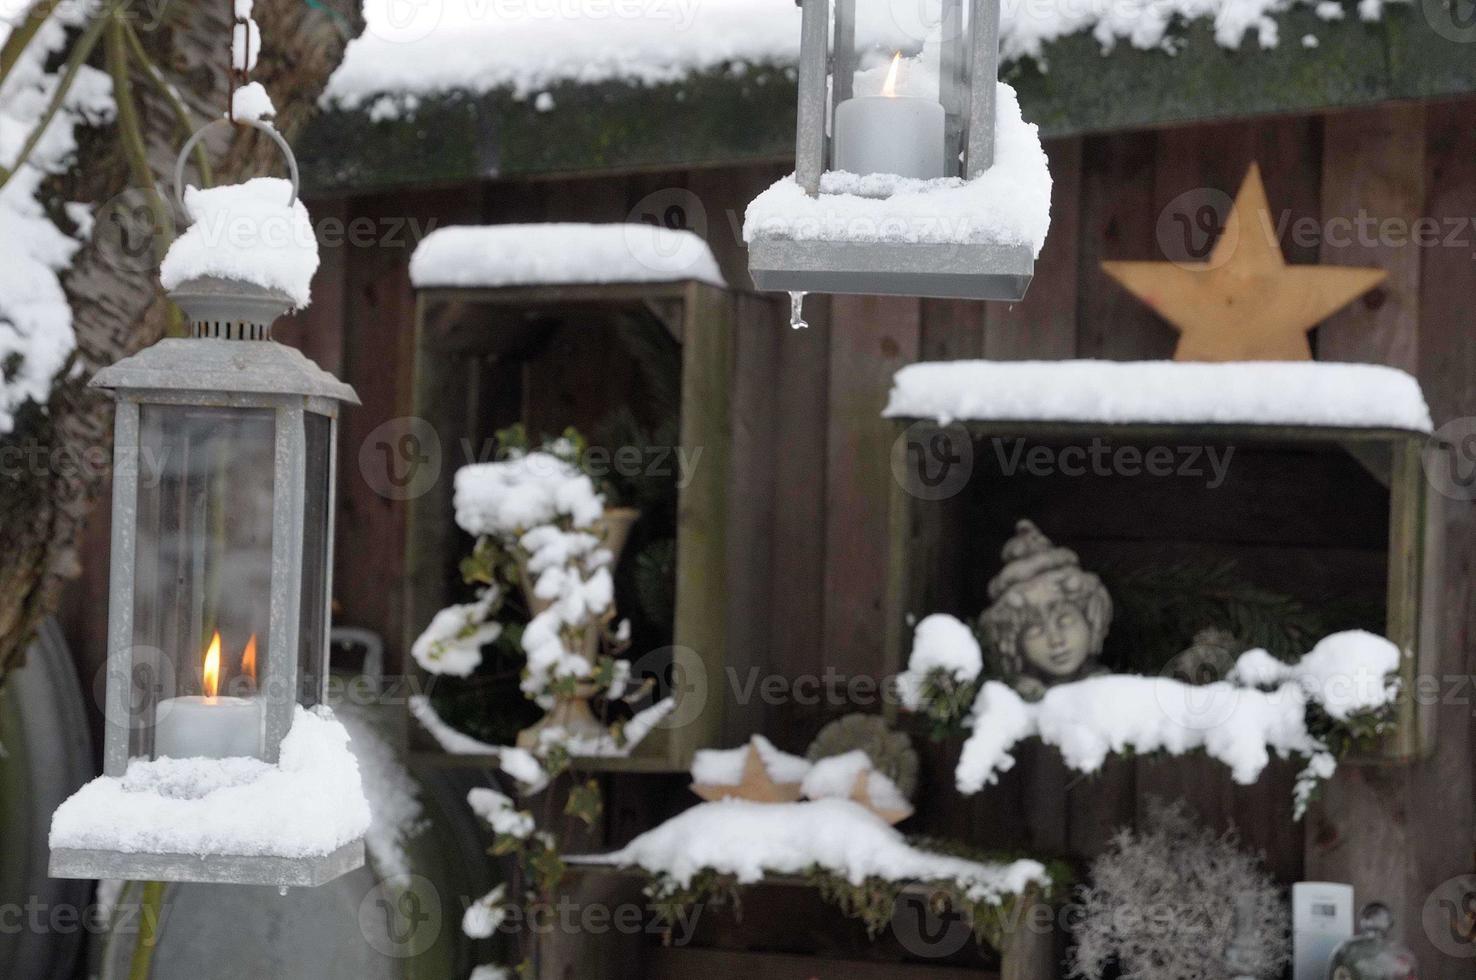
x: 64, y: 449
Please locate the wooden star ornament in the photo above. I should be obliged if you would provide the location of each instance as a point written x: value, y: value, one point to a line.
x: 1245, y: 303
x: 757, y: 784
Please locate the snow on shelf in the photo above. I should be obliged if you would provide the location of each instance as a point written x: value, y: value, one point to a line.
x: 462, y: 45
x: 1008, y: 204
x: 470, y: 256
x: 749, y: 840
x: 1304, y: 393
x: 308, y: 805
x: 248, y: 232
x: 1236, y: 721
x: 724, y: 767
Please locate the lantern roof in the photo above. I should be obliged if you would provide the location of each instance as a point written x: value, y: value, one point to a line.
x: 258, y: 367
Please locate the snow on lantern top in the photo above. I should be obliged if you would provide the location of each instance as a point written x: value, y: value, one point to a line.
x: 925, y: 182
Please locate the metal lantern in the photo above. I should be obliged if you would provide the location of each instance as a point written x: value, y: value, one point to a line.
x: 222, y: 545
x: 946, y: 133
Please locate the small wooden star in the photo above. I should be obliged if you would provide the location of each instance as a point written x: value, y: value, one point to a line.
x: 1245, y: 303
x: 756, y: 784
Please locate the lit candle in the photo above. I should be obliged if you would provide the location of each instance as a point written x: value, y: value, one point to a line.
x: 889, y: 133
x: 214, y: 726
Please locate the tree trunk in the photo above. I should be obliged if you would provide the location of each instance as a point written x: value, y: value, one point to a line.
x: 117, y: 306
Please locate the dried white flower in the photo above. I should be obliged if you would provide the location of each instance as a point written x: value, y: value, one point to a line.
x: 1161, y: 904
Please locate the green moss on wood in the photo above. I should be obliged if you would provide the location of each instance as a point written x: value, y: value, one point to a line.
x: 747, y: 114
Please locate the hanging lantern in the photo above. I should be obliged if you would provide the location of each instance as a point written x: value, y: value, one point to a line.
x: 222, y: 546
x: 895, y: 142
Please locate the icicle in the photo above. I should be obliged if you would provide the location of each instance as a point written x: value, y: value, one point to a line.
x: 797, y: 311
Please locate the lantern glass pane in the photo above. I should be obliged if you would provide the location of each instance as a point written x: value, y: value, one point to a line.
x: 317, y: 513
x: 895, y: 87
x: 202, y: 569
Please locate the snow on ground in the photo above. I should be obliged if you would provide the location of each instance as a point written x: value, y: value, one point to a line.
x: 1010, y: 203
x: 553, y: 254
x: 248, y: 232
x: 748, y: 840
x: 1239, y: 725
x: 311, y: 803
x: 414, y: 50
x: 1121, y: 392
x: 35, y: 320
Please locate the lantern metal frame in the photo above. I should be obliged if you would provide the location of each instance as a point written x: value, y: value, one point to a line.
x: 970, y: 56
x: 229, y: 362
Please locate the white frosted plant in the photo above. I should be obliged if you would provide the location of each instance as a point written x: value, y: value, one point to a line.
x: 1161, y: 905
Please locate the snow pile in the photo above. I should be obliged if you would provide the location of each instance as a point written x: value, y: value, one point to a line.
x: 941, y: 645
x: 310, y: 804
x: 452, y: 643
x: 1346, y: 673
x: 835, y: 777
x: 246, y: 232
x: 417, y: 50
x: 552, y: 254
x: 483, y: 916
x: 749, y: 840
x: 518, y: 765
x: 544, y: 511
x: 1307, y: 393
x: 509, y: 497
x: 724, y: 767
x: 1008, y: 204
x: 35, y: 320
x: 251, y: 103
x: 501, y: 814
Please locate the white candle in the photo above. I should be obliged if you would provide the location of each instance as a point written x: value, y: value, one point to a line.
x: 206, y: 727
x: 889, y: 134
x: 210, y: 726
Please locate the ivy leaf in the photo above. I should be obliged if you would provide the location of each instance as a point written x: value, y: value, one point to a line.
x: 585, y: 803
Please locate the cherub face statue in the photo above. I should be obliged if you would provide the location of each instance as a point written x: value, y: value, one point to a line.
x: 1057, y: 641
x: 1048, y: 617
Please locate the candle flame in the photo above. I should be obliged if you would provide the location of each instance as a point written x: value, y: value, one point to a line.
x: 212, y: 667
x: 889, y: 87
x: 248, y: 658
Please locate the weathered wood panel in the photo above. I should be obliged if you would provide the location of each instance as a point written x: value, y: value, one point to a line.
x: 1043, y: 326
x: 1118, y: 221
x: 871, y: 337
x: 1373, y: 194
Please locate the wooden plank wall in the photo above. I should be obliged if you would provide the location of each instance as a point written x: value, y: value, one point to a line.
x: 1397, y: 832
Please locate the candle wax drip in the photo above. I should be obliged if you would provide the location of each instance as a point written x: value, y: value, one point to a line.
x: 797, y: 311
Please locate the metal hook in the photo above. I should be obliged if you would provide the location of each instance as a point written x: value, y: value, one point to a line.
x: 268, y: 128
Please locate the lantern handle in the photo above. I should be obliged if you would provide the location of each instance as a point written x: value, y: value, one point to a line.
x: 265, y: 127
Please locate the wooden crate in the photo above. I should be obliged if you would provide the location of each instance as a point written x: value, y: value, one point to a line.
x: 482, y: 362
x: 783, y: 929
x: 1348, y: 508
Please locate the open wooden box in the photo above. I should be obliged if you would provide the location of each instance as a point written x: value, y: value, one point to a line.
x: 1314, y: 513
x: 551, y: 357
